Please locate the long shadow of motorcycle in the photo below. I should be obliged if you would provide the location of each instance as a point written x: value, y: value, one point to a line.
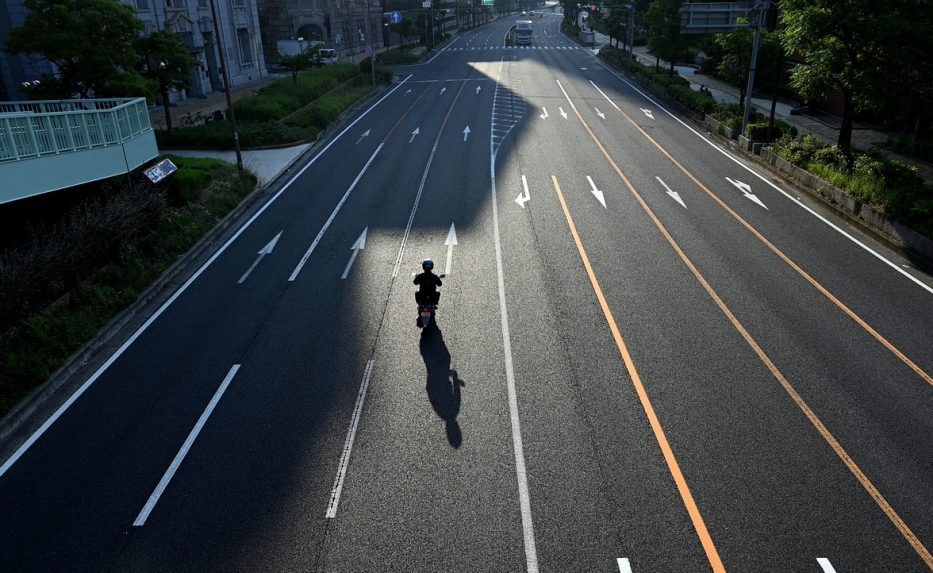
x: 443, y: 383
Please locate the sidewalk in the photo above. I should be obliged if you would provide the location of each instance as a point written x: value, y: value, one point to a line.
x: 214, y: 101
x: 824, y: 128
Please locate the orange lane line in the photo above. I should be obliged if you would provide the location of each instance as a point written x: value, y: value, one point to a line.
x: 672, y: 464
x: 810, y: 414
x: 877, y: 335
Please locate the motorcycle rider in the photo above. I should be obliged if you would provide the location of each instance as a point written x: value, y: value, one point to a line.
x: 427, y: 284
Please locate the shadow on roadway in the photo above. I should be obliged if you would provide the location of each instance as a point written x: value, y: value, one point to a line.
x: 443, y: 384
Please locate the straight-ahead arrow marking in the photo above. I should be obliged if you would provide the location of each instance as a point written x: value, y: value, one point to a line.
x: 671, y: 193
x: 478, y: 88
x: 599, y: 113
x: 746, y: 190
x: 523, y: 197
x: 414, y: 133
x: 407, y: 92
x: 562, y: 112
x: 358, y: 246
x: 544, y: 115
x: 262, y: 252
x: 443, y: 89
x: 361, y: 137
x: 466, y: 132
x: 450, y: 242
x: 597, y: 192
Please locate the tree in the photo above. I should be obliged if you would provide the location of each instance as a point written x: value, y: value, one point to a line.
x: 295, y: 63
x: 90, y: 42
x: 167, y: 64
x: 735, y: 49
x: 664, y: 40
x: 854, y: 47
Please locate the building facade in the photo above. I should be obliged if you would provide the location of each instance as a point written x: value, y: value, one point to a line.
x: 348, y: 26
x: 191, y: 20
x: 15, y: 70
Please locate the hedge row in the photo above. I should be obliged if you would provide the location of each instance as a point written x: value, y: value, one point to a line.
x: 890, y: 187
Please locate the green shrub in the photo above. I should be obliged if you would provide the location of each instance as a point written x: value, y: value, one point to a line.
x: 759, y: 131
x: 698, y: 102
x: 407, y: 54
x: 191, y: 182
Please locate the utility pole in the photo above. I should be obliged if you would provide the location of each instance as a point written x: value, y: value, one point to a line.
x: 224, y: 71
x: 758, y: 10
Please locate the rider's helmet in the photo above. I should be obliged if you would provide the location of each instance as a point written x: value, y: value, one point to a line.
x: 427, y: 264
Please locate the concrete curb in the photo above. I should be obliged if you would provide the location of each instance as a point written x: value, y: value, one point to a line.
x: 14, y: 419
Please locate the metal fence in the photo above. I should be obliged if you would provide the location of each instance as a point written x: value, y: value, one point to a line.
x: 37, y: 128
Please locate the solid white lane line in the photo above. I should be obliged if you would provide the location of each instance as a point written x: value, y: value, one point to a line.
x: 826, y: 565
x: 173, y: 467
x: 778, y: 189
x: 424, y: 178
x: 531, y: 552
x: 330, y: 219
x: 624, y: 565
x: 348, y: 444
x: 61, y: 410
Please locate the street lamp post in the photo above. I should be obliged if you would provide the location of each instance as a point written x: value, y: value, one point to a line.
x: 225, y: 70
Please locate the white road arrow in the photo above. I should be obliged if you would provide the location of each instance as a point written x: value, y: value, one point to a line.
x: 407, y: 92
x: 597, y: 192
x: 478, y: 88
x: 450, y: 242
x: 523, y: 197
x: 443, y: 89
x: 466, y: 132
x: 414, y: 133
x: 263, y: 252
x: 359, y: 245
x: 599, y: 113
x: 672, y: 193
x: 361, y: 137
x: 562, y: 112
x: 544, y: 115
x: 647, y: 112
x: 746, y: 190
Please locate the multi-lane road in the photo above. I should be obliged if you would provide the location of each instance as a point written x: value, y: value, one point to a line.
x: 649, y: 357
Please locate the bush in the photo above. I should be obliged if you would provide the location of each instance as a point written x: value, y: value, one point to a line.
x: 406, y: 54
x: 698, y: 102
x: 191, y: 182
x: 759, y: 131
x: 887, y: 186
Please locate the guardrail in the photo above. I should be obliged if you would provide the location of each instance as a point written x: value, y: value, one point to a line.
x: 39, y: 128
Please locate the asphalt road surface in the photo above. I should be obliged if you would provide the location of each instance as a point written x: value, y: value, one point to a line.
x: 648, y: 357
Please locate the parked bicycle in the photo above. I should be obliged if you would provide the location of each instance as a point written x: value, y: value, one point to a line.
x: 190, y: 120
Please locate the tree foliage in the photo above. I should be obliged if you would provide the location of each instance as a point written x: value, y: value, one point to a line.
x: 860, y: 48
x: 91, y: 43
x: 295, y: 63
x: 735, y: 50
x: 167, y: 64
x: 664, y: 40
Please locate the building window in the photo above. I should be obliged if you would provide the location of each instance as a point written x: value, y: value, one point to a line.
x: 203, y: 4
x: 142, y: 4
x: 244, y: 42
x: 175, y: 3
x: 239, y: 2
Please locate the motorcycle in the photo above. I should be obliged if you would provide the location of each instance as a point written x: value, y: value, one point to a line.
x: 426, y: 310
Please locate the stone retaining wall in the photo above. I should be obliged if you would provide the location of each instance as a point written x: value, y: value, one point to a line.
x: 911, y: 239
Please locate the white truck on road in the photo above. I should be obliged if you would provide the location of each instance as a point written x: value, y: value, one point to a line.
x: 523, y: 30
